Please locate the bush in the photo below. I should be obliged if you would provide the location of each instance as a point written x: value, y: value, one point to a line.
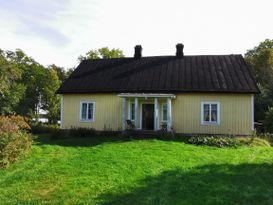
x: 58, y: 133
x: 217, y: 141
x: 269, y: 120
x: 42, y: 128
x: 15, y: 140
x: 82, y: 132
x: 267, y: 136
x: 164, y: 135
x: 253, y: 141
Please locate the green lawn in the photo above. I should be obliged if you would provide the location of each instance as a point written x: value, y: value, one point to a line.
x: 113, y: 171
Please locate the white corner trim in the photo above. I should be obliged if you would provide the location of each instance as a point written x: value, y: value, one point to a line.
x: 123, y: 113
x: 218, y: 113
x: 61, y: 113
x: 94, y: 111
x: 252, y: 112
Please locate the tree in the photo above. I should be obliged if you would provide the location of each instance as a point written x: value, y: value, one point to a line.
x: 61, y: 72
x: 104, y: 52
x: 49, y: 100
x: 32, y: 77
x: 11, y: 90
x: 269, y: 120
x: 260, y: 59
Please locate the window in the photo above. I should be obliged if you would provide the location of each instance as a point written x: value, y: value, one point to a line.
x: 210, y: 113
x: 87, y: 111
x: 132, y: 114
x: 164, y: 112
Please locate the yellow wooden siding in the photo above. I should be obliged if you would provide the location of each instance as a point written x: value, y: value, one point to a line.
x: 235, y: 112
x: 107, y: 111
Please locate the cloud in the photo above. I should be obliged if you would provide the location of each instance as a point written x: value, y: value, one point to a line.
x: 58, y: 31
x: 35, y: 18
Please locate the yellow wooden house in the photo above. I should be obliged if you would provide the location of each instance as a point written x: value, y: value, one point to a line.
x: 197, y: 94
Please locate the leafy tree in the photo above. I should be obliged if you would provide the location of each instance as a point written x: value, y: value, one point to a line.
x: 104, y: 52
x: 61, y: 72
x: 69, y: 71
x: 32, y: 77
x: 49, y: 100
x: 260, y: 59
x: 11, y: 90
x: 269, y: 120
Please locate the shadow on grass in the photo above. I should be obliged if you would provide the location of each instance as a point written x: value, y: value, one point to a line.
x: 210, y: 184
x: 46, y: 139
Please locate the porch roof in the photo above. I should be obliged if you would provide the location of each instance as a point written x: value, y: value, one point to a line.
x: 147, y: 95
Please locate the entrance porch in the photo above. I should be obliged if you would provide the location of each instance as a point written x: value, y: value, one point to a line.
x: 147, y: 111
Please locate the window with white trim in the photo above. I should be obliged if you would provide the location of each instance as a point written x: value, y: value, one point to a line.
x: 87, y: 111
x: 164, y: 112
x: 210, y: 112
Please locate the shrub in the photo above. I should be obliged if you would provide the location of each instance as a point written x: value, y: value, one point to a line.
x: 15, y: 140
x: 164, y: 135
x: 267, y: 136
x: 42, y: 128
x: 268, y: 123
x: 217, y: 141
x: 82, y: 132
x: 58, y: 133
x: 253, y: 141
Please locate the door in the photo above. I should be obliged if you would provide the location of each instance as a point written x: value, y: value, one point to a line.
x: 147, y: 116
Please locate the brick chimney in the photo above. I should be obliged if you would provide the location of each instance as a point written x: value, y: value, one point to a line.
x: 138, y: 52
x: 179, y: 50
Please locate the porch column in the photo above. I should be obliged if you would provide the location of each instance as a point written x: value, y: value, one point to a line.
x: 123, y: 115
x: 169, y: 114
x: 136, y: 112
x: 156, y: 121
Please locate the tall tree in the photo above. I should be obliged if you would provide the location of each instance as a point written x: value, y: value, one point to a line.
x: 260, y: 59
x: 50, y: 101
x: 11, y: 90
x: 61, y: 72
x: 32, y: 77
x: 104, y: 52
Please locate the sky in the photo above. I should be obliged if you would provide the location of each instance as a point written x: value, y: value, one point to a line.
x: 58, y: 31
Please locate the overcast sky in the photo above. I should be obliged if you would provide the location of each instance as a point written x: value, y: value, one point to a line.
x: 58, y: 31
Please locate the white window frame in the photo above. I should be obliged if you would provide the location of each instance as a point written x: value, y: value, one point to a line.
x: 202, y: 113
x: 94, y: 109
x: 162, y: 117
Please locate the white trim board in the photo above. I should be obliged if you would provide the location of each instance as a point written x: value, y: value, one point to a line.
x: 252, y: 112
x: 154, y: 95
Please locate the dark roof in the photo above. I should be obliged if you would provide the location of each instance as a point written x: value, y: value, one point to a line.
x: 167, y: 74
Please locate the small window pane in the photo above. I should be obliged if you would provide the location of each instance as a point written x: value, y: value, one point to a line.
x: 214, y: 112
x: 165, y: 112
x: 84, y: 108
x: 132, y: 111
x: 90, y: 111
x: 213, y: 115
x: 206, y: 113
x: 213, y: 106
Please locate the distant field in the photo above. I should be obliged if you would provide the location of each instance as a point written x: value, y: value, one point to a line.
x: 115, y: 171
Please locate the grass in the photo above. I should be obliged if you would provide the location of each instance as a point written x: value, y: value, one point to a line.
x: 116, y: 171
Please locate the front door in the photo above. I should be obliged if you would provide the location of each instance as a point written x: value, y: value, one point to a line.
x: 148, y: 117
